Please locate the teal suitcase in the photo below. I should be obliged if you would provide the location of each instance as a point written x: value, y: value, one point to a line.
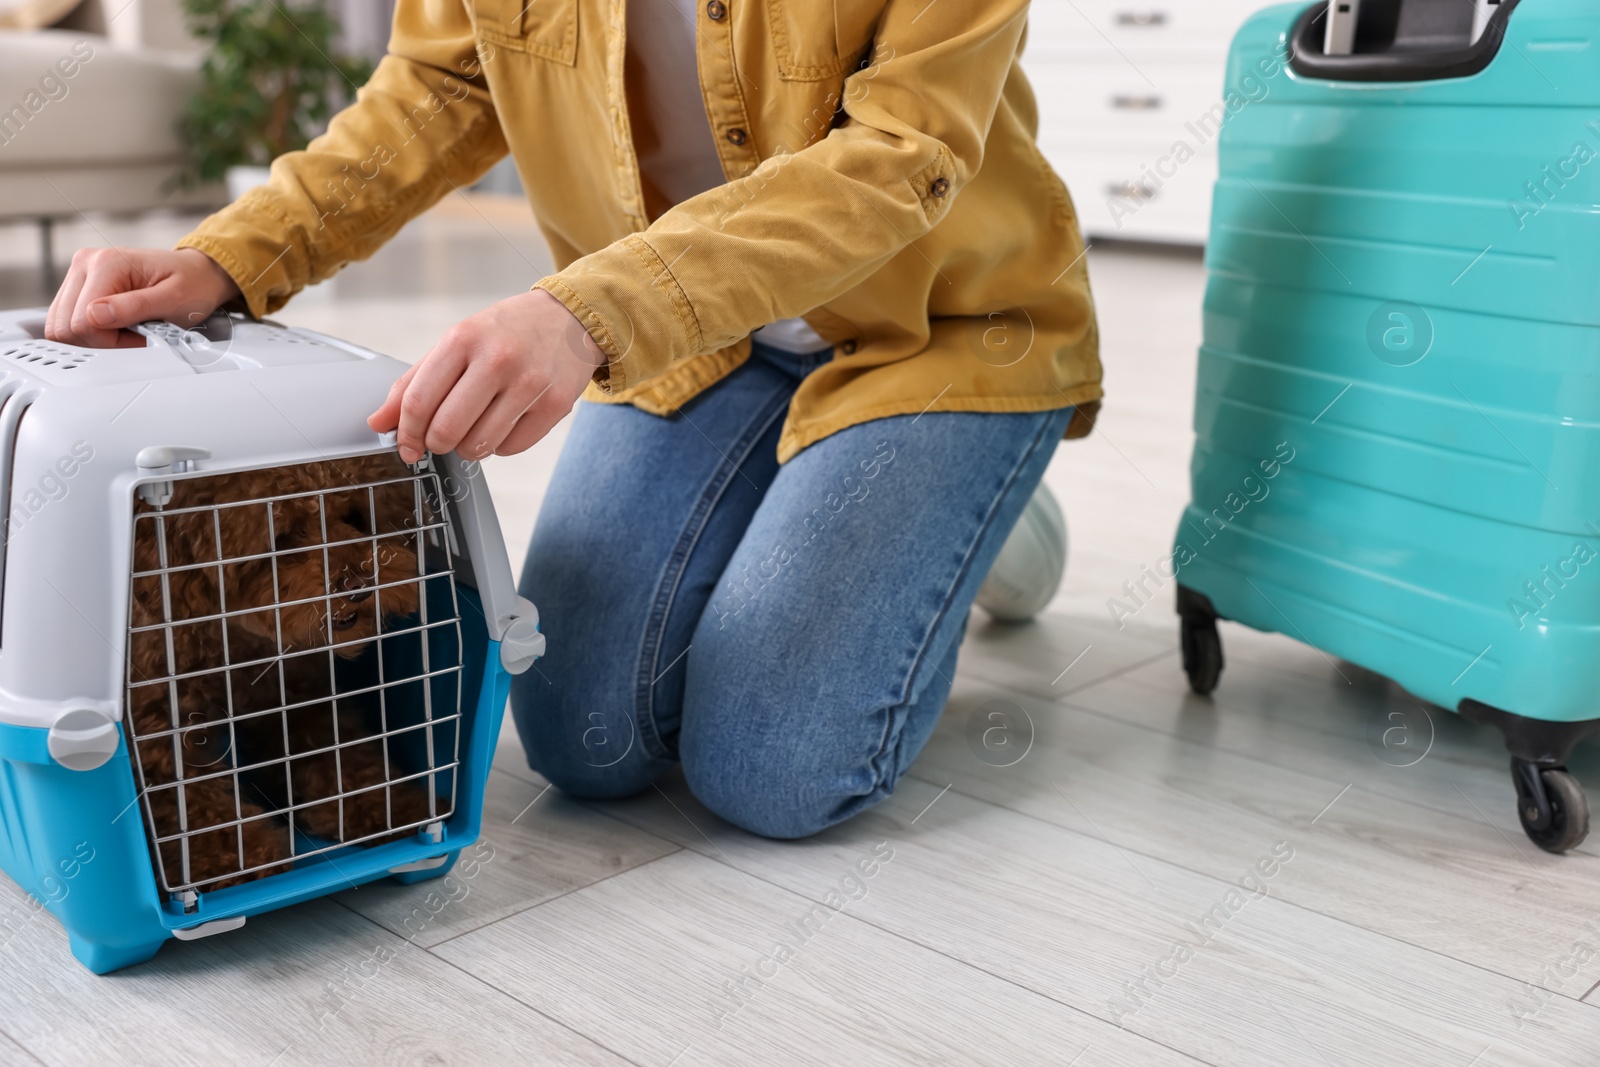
x: 1397, y: 421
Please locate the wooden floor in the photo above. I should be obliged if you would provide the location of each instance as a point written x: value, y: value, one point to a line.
x: 1123, y: 874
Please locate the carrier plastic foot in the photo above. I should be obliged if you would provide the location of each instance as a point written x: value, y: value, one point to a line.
x: 413, y: 877
x: 1551, y: 805
x: 1202, y: 645
x: 102, y: 958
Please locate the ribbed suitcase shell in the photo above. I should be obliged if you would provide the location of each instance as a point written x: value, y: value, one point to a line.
x: 1422, y: 499
x: 263, y: 397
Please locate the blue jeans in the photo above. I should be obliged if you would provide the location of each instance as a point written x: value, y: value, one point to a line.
x: 788, y: 633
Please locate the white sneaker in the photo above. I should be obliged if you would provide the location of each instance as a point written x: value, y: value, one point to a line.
x: 1028, y: 571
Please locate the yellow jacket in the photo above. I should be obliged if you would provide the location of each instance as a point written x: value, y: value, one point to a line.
x: 883, y: 181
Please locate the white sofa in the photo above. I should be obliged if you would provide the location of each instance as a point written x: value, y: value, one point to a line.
x: 88, y: 121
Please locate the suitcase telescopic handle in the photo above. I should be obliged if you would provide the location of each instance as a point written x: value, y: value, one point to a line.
x: 1398, y: 40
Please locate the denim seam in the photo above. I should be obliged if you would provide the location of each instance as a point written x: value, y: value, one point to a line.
x: 677, y: 564
x: 896, y: 711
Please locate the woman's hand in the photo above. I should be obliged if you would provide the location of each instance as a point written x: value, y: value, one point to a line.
x: 109, y: 289
x: 495, y: 384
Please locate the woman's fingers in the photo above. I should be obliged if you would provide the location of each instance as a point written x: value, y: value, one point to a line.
x: 57, y: 323
x: 471, y: 396
x: 94, y: 322
x: 496, y: 422
x: 387, y: 417
x: 121, y: 310
x: 435, y: 378
x: 108, y: 289
x: 475, y: 391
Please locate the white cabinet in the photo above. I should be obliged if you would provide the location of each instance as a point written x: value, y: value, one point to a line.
x: 1129, y: 94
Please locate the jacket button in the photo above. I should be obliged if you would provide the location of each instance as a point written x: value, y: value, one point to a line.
x: 848, y: 347
x: 736, y: 136
x: 716, y: 10
x: 940, y: 187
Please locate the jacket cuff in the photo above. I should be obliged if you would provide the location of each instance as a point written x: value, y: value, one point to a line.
x: 633, y: 307
x: 253, y: 252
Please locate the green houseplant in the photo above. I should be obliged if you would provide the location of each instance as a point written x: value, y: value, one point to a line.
x: 270, y: 82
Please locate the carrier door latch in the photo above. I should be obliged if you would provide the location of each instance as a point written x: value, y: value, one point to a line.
x: 179, y: 459
x: 520, y: 640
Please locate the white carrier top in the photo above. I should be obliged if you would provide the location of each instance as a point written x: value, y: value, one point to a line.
x: 81, y: 429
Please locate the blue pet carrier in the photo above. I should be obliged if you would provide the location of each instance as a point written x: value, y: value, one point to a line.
x: 150, y: 492
x: 1398, y: 412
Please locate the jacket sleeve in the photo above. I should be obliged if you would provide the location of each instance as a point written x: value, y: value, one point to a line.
x: 807, y: 226
x: 423, y: 125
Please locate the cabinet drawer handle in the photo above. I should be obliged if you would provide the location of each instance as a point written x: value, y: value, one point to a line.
x: 1132, y: 102
x: 1131, y: 190
x: 1141, y: 19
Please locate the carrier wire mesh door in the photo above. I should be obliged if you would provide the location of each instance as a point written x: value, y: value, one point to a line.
x: 295, y: 666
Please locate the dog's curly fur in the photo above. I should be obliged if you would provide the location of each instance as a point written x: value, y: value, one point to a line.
x: 286, y: 652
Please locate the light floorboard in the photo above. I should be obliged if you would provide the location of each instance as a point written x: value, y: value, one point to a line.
x: 1056, y: 654
x: 1410, y: 871
x: 1083, y: 921
x: 1301, y: 714
x: 536, y: 844
x: 14, y: 1055
x: 312, y: 985
x: 685, y: 961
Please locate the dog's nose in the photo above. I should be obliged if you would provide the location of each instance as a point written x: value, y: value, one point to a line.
x: 356, y: 587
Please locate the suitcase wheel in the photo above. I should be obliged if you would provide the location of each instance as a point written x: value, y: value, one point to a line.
x: 1551, y: 805
x: 1202, y: 651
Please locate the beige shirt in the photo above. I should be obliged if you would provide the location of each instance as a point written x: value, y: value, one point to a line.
x: 671, y: 134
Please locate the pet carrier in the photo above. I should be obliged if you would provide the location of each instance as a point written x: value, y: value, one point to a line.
x: 247, y: 655
x: 1397, y: 416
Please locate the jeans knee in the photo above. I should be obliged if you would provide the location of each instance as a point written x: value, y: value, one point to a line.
x: 763, y: 791
x: 760, y: 809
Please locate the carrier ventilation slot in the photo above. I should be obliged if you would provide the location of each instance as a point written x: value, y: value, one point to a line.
x: 45, y: 354
x: 294, y: 668
x: 284, y: 336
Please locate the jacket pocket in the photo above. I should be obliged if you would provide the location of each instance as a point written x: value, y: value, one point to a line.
x: 546, y: 28
x: 805, y: 40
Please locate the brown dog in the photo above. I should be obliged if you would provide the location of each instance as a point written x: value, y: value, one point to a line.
x: 262, y: 598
